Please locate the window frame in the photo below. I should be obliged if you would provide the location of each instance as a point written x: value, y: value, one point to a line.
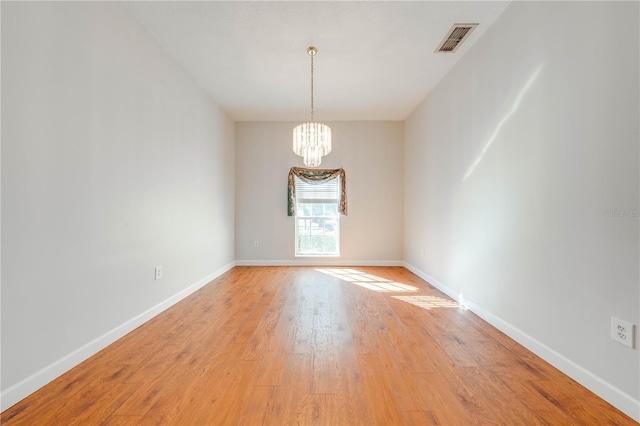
x: 299, y: 217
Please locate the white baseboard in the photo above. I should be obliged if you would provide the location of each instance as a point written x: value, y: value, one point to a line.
x: 614, y: 396
x: 327, y: 261
x: 19, y: 391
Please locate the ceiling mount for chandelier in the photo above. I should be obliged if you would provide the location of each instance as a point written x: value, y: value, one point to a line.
x: 312, y: 140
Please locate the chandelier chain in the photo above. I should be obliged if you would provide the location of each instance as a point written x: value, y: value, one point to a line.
x: 312, y: 88
x: 311, y: 140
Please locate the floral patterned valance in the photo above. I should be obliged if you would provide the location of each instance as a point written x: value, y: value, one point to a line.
x: 316, y: 176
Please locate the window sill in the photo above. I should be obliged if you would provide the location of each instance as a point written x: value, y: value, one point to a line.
x: 317, y: 255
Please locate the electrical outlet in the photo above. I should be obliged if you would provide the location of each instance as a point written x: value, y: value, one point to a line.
x: 622, y: 332
x: 158, y: 272
x: 256, y: 243
x: 421, y: 252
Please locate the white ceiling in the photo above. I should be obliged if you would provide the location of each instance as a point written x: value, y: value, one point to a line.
x: 375, y: 59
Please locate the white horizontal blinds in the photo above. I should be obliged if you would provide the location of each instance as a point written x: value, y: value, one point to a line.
x: 325, y: 192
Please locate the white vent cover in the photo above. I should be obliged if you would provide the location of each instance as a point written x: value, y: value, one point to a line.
x: 455, y: 36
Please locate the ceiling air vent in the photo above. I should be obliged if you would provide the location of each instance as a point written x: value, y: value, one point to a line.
x: 455, y: 36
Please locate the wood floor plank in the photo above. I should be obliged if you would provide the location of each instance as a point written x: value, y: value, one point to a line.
x: 322, y: 339
x: 571, y: 399
x: 419, y: 418
x: 107, y: 402
x: 122, y: 421
x: 529, y: 395
x: 63, y: 389
x: 225, y: 407
x: 95, y: 402
x: 404, y: 328
x: 489, y: 399
x: 400, y: 378
x: 323, y: 372
x: 303, y: 334
x: 455, y: 345
x: 279, y: 345
x: 168, y: 403
x: 438, y: 394
x: 263, y: 332
x: 322, y: 410
x: 352, y: 406
x: 290, y: 401
x: 305, y: 345
x: 256, y: 405
x: 341, y: 333
x: 384, y: 408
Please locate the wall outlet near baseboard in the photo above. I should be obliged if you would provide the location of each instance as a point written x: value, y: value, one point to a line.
x: 158, y: 272
x: 622, y: 332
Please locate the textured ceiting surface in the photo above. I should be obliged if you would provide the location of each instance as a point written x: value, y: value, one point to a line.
x: 375, y: 59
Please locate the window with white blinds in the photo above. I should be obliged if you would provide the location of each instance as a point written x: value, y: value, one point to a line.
x: 318, y: 192
x: 317, y: 218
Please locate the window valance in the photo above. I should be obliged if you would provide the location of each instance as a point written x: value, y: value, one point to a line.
x: 316, y: 176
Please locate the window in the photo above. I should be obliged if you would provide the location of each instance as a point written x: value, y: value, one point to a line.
x: 317, y: 218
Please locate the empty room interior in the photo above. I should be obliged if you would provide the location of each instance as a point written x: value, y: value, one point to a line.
x: 316, y: 212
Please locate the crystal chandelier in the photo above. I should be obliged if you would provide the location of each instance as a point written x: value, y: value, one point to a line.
x: 312, y: 140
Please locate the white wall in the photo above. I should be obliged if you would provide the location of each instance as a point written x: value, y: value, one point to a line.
x: 371, y: 154
x: 511, y: 165
x: 113, y: 162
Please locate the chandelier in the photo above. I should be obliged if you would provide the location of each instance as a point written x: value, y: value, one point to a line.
x: 312, y: 140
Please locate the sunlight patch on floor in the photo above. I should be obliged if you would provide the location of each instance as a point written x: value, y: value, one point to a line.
x: 382, y: 285
x: 369, y: 281
x: 390, y: 287
x: 429, y: 302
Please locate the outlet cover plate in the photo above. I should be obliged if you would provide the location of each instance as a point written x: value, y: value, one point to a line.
x: 623, y: 332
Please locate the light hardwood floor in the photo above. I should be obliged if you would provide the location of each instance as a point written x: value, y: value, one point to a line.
x: 327, y: 346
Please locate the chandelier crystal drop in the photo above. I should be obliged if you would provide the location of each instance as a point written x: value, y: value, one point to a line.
x: 312, y: 140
